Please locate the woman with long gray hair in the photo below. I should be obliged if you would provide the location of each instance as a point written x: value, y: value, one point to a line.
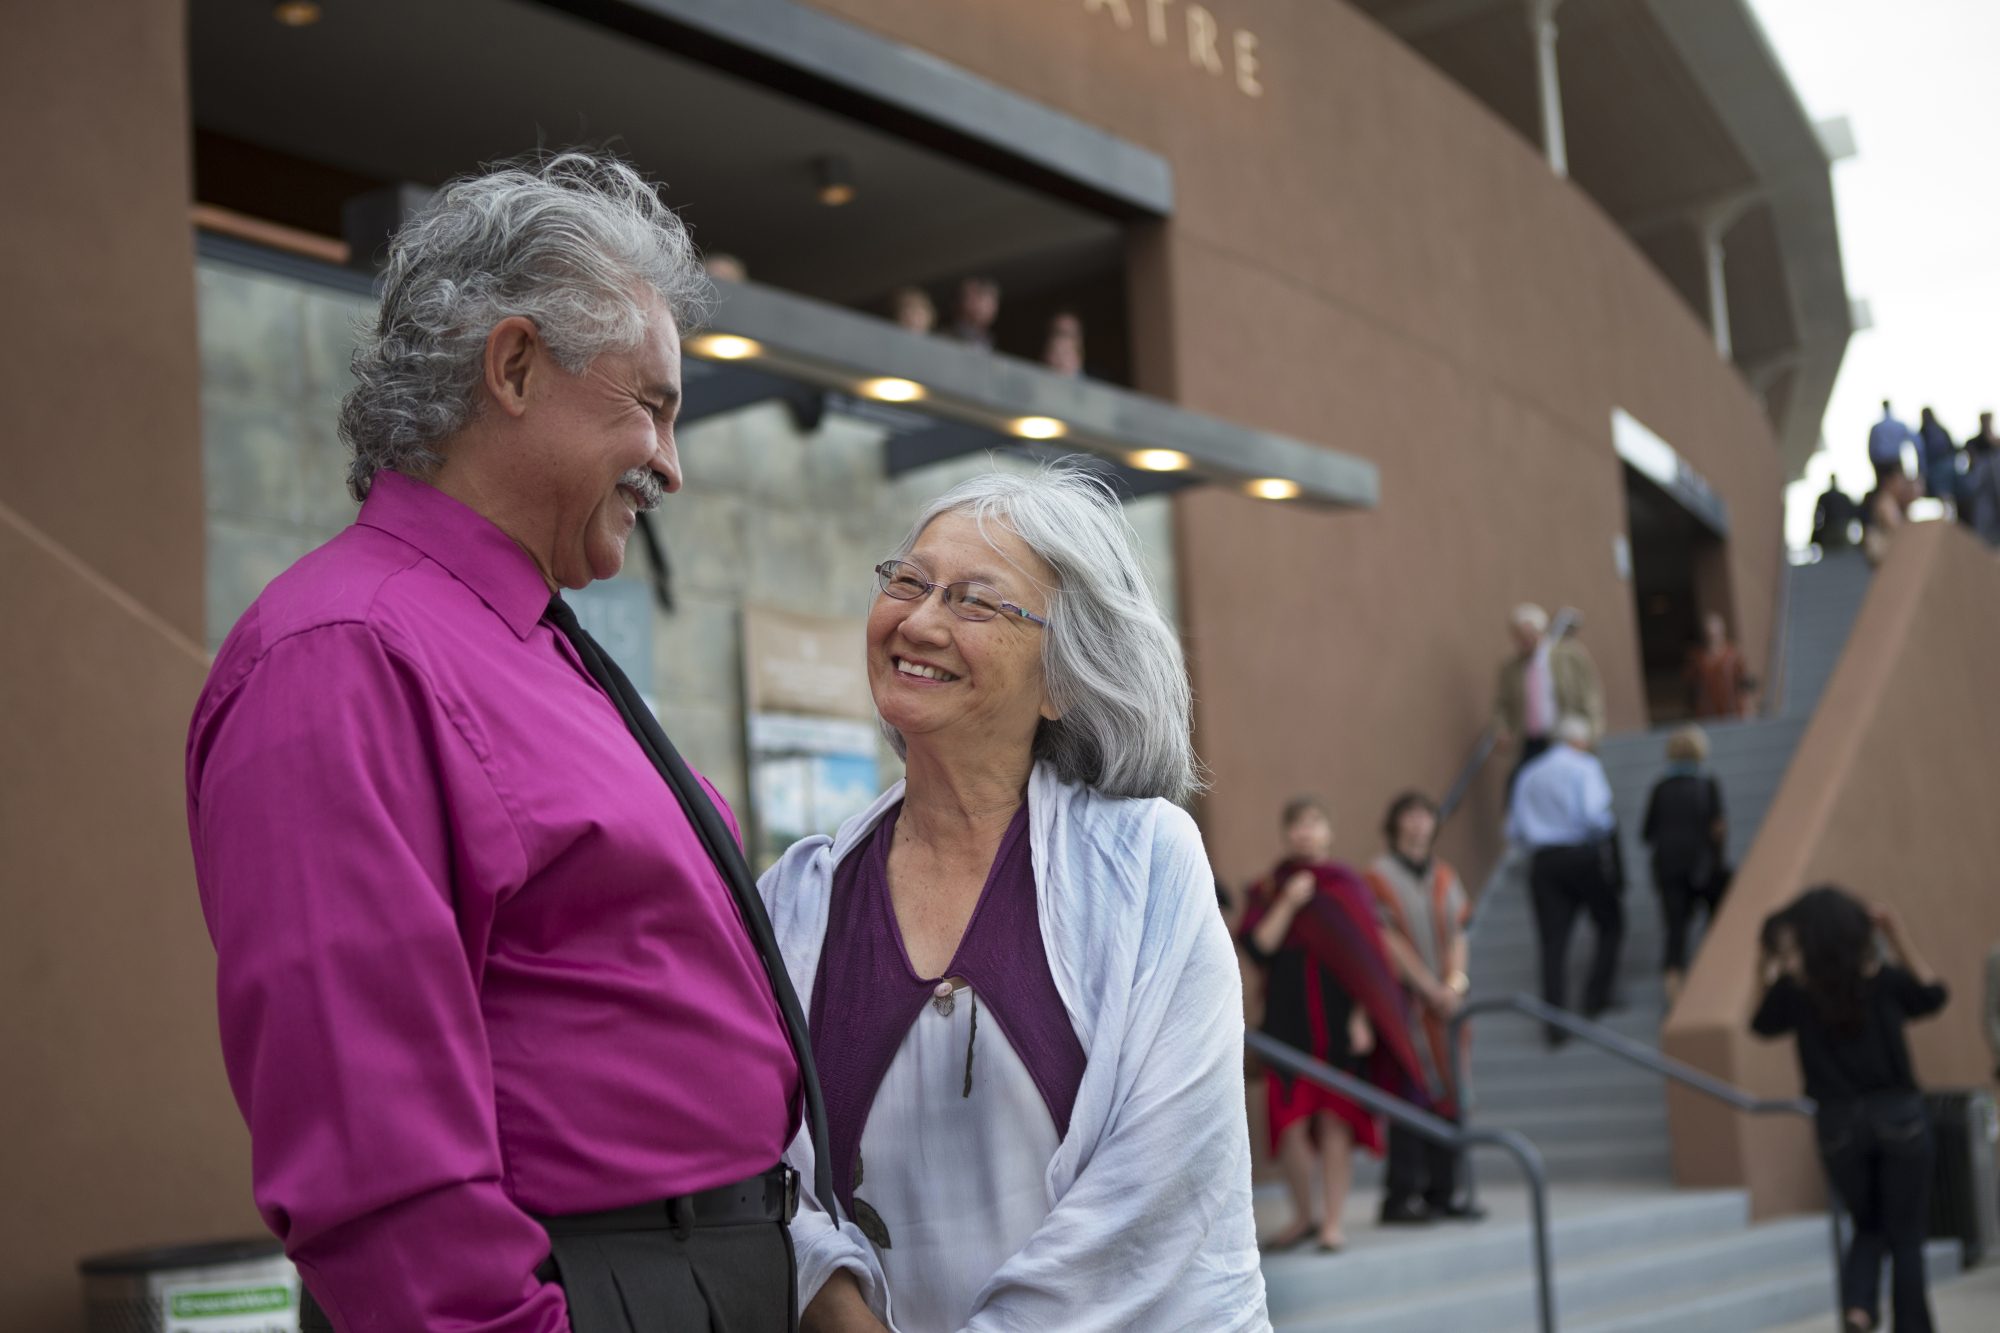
x: 1025, y: 1010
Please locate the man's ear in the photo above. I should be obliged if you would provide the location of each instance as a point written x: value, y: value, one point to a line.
x: 514, y: 354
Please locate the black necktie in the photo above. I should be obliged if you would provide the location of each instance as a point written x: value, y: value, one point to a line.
x: 729, y: 863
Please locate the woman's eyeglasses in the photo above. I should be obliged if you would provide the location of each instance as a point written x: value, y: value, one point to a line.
x: 968, y: 601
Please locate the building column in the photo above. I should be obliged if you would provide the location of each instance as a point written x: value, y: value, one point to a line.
x: 1712, y: 224
x: 1716, y: 256
x: 1542, y: 27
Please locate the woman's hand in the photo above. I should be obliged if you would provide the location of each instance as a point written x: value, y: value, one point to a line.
x: 1299, y: 889
x: 1360, y: 1033
x: 1890, y: 922
x: 840, y: 1308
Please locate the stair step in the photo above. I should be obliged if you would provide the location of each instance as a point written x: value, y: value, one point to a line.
x: 1753, y: 1303
x: 1636, y: 1122
x: 1656, y: 1272
x: 1389, y: 1263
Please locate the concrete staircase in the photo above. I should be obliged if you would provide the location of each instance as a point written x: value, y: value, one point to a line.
x: 1628, y: 1259
x: 1821, y: 602
x: 1633, y: 1255
x: 1596, y: 1118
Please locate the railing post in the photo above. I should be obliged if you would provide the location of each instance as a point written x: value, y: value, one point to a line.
x: 1614, y: 1043
x: 1437, y: 1130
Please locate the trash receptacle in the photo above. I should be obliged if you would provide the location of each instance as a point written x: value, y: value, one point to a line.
x: 227, y: 1286
x: 1965, y: 1189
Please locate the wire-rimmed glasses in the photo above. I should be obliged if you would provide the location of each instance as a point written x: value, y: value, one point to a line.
x: 967, y: 600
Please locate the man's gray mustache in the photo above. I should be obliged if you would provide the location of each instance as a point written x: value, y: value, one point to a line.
x: 645, y: 483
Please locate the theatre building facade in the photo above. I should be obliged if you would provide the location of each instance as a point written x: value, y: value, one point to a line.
x: 1383, y: 317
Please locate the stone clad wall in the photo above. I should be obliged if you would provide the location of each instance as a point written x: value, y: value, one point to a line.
x: 769, y: 516
x: 273, y: 367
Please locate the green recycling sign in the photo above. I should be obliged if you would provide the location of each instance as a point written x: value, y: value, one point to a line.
x: 258, y: 1305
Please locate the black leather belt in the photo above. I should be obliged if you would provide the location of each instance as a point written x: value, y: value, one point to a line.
x: 770, y: 1196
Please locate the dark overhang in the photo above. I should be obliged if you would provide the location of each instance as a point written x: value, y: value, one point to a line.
x: 848, y: 69
x: 1000, y: 400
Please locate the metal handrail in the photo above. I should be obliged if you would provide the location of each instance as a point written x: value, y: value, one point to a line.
x: 1437, y: 1129
x: 1482, y: 750
x: 1638, y: 1053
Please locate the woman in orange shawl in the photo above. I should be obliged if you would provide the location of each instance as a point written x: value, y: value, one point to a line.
x: 1424, y: 911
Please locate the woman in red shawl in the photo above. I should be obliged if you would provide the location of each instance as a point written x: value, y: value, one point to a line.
x: 1330, y: 991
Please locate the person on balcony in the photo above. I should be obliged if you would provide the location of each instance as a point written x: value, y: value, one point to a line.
x: 1330, y: 991
x: 1686, y: 828
x: 978, y: 310
x: 1423, y: 908
x: 1885, y: 513
x: 1939, y: 456
x: 1828, y: 987
x: 1834, y: 517
x: 1886, y: 439
x: 1548, y: 676
x: 1979, y: 489
x: 1561, y: 811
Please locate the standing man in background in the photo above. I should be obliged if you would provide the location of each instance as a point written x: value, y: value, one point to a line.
x: 1886, y: 439
x: 1549, y: 676
x: 498, y: 998
x: 1562, y: 812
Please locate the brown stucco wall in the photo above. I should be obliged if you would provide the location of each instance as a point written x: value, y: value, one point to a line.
x: 100, y: 377
x: 1367, y: 257
x: 1896, y: 774
x: 116, y: 1128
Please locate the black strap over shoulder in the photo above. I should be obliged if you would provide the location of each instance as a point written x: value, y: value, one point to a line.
x: 728, y: 858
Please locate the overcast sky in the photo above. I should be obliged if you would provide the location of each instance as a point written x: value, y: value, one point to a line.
x: 1919, y: 210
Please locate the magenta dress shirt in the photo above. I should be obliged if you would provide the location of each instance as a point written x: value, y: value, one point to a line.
x: 473, y: 963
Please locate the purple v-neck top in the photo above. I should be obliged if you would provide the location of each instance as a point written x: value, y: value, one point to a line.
x: 867, y: 995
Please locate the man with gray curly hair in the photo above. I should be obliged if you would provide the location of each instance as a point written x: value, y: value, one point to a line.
x: 498, y: 999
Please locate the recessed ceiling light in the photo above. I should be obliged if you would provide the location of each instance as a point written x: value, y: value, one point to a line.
x: 1159, y: 460
x: 726, y: 347
x: 296, y: 13
x: 892, y: 390
x: 836, y: 181
x: 1273, y: 488
x: 1040, y: 428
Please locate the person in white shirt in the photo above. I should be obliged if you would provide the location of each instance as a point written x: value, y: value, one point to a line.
x: 1561, y: 811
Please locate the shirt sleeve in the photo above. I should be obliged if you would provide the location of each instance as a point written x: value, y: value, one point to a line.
x: 1778, y: 1014
x: 1597, y: 809
x: 1913, y: 997
x: 331, y: 800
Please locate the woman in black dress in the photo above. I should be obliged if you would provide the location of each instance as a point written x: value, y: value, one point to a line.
x: 1685, y: 827
x: 1828, y: 984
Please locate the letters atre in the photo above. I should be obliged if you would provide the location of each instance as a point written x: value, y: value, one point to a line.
x: 1180, y: 27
